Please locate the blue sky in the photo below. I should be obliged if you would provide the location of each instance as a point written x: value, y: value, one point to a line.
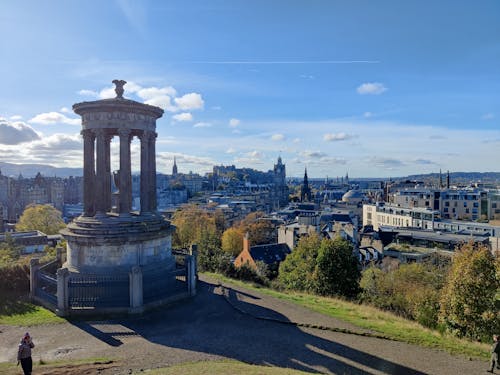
x: 386, y: 88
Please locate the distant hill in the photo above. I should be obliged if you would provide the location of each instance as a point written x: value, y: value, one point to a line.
x: 30, y: 170
x: 462, y: 177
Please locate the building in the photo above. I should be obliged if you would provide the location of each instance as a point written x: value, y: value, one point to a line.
x: 270, y: 254
x: 379, y: 214
x: 30, y: 242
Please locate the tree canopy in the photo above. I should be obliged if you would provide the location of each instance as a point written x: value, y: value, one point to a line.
x: 336, y: 271
x: 468, y: 299
x: 232, y: 241
x: 325, y: 267
x: 42, y: 217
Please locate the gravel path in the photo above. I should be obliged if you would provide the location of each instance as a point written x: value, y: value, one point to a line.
x: 207, y: 327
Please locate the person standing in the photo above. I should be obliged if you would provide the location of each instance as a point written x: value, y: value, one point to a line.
x: 24, y: 354
x: 495, y: 352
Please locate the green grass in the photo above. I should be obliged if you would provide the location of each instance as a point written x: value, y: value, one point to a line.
x: 21, y: 313
x: 381, y: 322
x: 223, y: 368
x: 12, y: 368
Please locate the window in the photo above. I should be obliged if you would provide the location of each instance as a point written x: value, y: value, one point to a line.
x: 465, y: 204
x: 447, y: 204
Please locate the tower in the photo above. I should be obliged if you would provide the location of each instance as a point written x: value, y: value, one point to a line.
x: 280, y: 186
x: 305, y: 191
x: 174, y: 169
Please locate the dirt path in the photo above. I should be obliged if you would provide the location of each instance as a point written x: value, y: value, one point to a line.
x: 208, y: 328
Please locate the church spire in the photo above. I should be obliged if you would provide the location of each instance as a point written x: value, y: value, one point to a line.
x: 174, y: 168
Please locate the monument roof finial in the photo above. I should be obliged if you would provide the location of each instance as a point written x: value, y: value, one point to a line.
x: 119, y: 83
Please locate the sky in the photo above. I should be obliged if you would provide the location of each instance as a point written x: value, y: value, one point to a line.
x: 373, y: 89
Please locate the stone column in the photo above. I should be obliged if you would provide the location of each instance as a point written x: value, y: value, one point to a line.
x: 125, y: 187
x: 152, y: 169
x: 145, y: 172
x: 100, y: 203
x: 88, y: 172
x: 107, y: 180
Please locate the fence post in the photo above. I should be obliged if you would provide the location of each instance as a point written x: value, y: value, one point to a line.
x: 62, y: 292
x: 34, y: 267
x: 190, y: 275
x: 136, y: 291
x: 193, y: 250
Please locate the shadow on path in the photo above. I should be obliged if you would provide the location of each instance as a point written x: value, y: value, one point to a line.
x: 209, y: 324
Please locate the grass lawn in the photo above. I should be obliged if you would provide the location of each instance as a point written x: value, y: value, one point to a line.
x: 22, y: 313
x: 383, y: 323
x: 223, y: 368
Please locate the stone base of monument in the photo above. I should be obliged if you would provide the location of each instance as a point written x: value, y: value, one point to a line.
x: 116, y: 265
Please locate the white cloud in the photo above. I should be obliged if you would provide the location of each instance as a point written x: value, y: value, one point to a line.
x: 234, y: 122
x: 49, y: 118
x: 296, y: 140
x: 313, y: 154
x: 488, y: 116
x: 92, y: 93
x: 202, y: 125
x: 65, y: 110
x: 386, y: 163
x: 250, y: 158
x: 231, y: 150
x: 367, y: 114
x: 190, y: 101
x: 162, y: 101
x: 13, y: 133
x: 153, y: 92
x: 216, y: 108
x: 371, y: 88
x: 185, y: 116
x: 332, y: 137
x: 107, y: 93
x: 16, y: 117
x: 277, y: 137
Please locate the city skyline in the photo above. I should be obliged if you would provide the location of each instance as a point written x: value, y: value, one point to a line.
x: 374, y: 90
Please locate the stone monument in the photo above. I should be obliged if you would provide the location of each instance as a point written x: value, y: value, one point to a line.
x: 120, y: 243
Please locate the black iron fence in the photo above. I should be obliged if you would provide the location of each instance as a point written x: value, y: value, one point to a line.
x: 98, y: 291
x: 46, y: 282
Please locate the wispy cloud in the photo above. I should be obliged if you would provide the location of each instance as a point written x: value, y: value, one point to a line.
x: 371, y: 88
x: 183, y: 117
x: 234, y: 122
x: 272, y: 62
x: 488, y: 116
x: 202, y: 125
x: 277, y: 137
x: 332, y: 137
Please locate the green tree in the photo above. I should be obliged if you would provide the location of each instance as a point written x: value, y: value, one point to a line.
x: 190, y: 222
x: 9, y: 251
x: 296, y: 271
x: 468, y: 298
x: 232, y: 241
x: 336, y: 271
x: 42, y: 217
x: 411, y: 290
x: 260, y: 231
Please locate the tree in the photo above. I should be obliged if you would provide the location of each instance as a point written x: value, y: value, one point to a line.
x: 296, y: 271
x: 232, y: 241
x: 9, y: 251
x: 260, y: 232
x: 42, y: 217
x: 190, y: 222
x: 411, y: 290
x: 468, y: 298
x: 336, y: 271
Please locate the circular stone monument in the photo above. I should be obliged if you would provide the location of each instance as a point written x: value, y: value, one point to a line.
x: 118, y: 241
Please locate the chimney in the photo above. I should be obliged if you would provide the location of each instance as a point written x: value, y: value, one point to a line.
x: 246, y: 243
